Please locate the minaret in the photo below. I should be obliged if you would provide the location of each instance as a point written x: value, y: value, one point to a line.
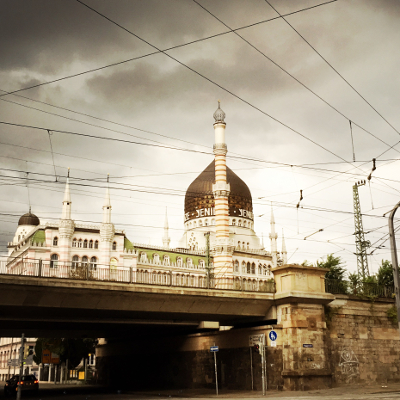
x: 284, y: 251
x: 223, y: 266
x: 66, y: 227
x: 107, y: 229
x: 166, y: 239
x: 273, y: 236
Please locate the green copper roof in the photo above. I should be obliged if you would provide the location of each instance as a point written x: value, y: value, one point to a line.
x: 39, y: 236
x: 128, y: 244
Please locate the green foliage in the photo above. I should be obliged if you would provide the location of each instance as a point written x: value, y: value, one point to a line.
x: 306, y: 263
x: 72, y: 350
x: 354, y: 283
x: 335, y: 266
x: 392, y: 314
x: 385, y: 274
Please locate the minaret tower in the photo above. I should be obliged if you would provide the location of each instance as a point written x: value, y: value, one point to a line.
x: 284, y: 251
x: 107, y: 229
x: 223, y: 266
x: 273, y: 236
x: 166, y: 239
x: 66, y: 227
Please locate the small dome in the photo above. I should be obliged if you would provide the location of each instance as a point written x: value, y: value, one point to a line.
x: 219, y: 115
x: 29, y: 219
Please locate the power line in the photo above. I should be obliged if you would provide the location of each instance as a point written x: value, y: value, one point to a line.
x: 209, y: 80
x: 289, y: 74
x: 159, y: 51
x: 334, y: 69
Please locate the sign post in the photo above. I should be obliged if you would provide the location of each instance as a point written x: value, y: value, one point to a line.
x: 214, y: 350
x: 21, y: 366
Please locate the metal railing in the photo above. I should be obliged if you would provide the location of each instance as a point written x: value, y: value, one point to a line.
x: 366, y: 289
x: 143, y: 275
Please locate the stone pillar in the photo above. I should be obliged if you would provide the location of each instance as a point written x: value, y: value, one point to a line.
x: 300, y: 298
x: 66, y: 227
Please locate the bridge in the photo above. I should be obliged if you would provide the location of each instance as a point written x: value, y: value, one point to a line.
x: 53, y: 300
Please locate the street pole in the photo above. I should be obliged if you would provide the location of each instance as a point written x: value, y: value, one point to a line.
x: 395, y: 263
x: 21, y: 367
x: 262, y: 368
x: 216, y: 372
x: 251, y: 368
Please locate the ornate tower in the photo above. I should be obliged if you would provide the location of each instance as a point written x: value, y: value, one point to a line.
x: 166, y: 239
x: 273, y: 236
x: 107, y: 229
x: 66, y: 227
x: 284, y: 251
x: 223, y: 249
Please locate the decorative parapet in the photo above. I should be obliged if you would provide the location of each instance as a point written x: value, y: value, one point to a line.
x: 301, y: 284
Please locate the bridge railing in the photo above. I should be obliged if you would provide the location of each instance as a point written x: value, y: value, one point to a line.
x: 147, y: 276
x: 336, y: 286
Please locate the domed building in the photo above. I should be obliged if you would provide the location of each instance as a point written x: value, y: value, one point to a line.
x: 217, y: 201
x: 200, y: 212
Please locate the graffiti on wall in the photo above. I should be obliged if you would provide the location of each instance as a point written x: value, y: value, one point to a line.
x: 349, y: 364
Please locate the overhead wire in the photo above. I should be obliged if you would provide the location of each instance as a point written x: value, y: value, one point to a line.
x: 333, y: 68
x: 159, y: 51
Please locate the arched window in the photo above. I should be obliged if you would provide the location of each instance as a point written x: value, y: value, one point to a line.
x: 96, y: 244
x: 200, y: 223
x: 85, y: 243
x: 80, y: 243
x: 253, y: 268
x: 91, y: 244
x: 75, y: 261
x: 74, y: 242
x: 156, y: 258
x: 248, y: 268
x: 213, y: 222
x: 54, y: 261
x: 55, y: 241
x: 248, y: 246
x: 201, y: 264
x: 206, y: 222
x: 259, y: 269
x: 189, y: 262
x: 234, y: 222
x: 84, y: 261
x: 114, y: 246
x: 166, y: 260
x: 243, y: 267
x: 179, y: 262
x: 143, y: 257
x: 245, y: 224
x: 236, y: 266
x: 239, y: 245
x: 93, y: 263
x: 240, y: 222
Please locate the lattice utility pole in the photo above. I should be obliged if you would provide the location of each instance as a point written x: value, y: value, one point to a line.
x: 361, y: 243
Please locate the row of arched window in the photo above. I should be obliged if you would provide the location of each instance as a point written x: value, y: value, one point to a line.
x: 75, y: 261
x: 84, y: 262
x: 167, y: 261
x: 85, y: 244
x: 243, y: 246
x: 250, y: 268
x: 233, y: 222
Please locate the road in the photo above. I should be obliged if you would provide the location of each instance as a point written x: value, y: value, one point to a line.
x: 80, y: 392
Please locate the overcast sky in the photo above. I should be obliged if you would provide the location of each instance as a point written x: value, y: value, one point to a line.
x: 287, y: 106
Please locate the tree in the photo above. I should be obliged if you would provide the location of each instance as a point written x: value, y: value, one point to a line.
x: 335, y: 266
x: 72, y: 350
x: 385, y: 274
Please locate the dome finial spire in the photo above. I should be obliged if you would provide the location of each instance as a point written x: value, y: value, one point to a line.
x: 219, y: 115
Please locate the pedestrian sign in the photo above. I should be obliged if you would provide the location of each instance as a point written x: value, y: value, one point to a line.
x: 273, y: 336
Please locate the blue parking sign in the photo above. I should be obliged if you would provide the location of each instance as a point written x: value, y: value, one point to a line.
x: 273, y: 336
